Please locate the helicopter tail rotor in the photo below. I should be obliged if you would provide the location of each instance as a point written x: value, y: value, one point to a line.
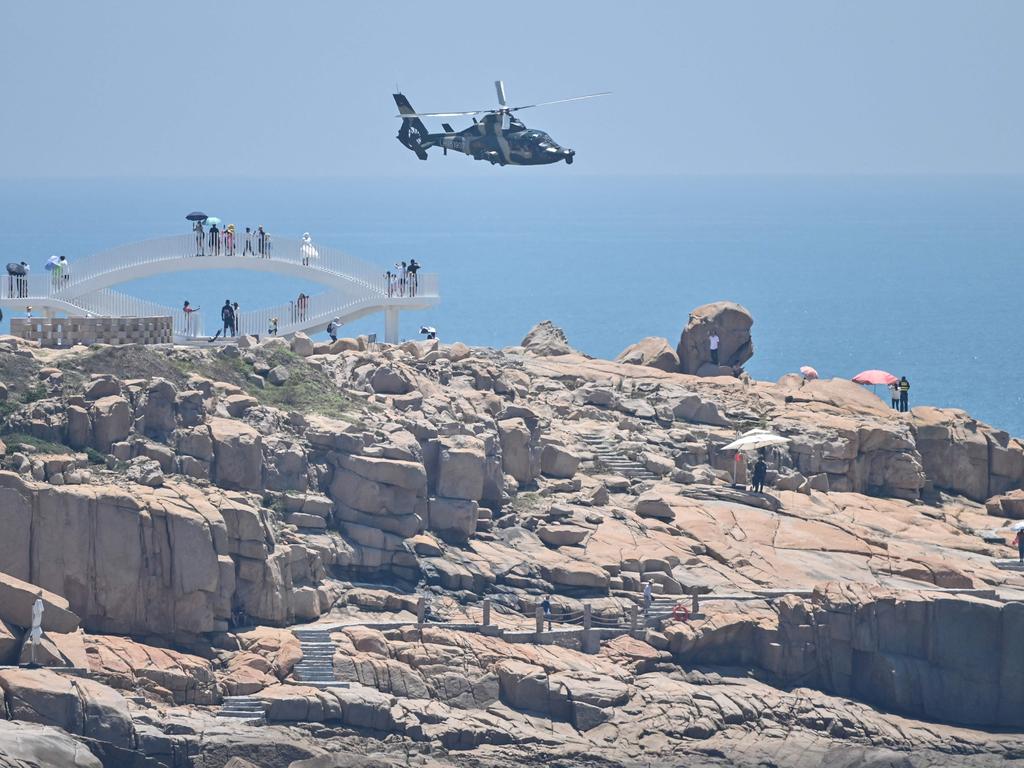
x: 413, y: 131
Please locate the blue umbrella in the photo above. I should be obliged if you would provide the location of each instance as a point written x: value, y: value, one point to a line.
x: 211, y: 220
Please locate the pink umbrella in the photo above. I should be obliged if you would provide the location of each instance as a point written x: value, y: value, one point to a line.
x: 808, y: 372
x: 875, y: 377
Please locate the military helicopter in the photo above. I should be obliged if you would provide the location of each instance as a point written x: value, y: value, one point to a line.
x: 499, y: 136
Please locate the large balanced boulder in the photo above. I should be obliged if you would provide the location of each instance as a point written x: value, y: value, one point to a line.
x: 653, y: 352
x: 732, y: 323
x: 546, y: 338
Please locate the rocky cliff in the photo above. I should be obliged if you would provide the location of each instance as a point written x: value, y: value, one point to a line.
x: 184, y: 510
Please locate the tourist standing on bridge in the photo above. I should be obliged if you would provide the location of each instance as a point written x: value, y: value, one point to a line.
x: 200, y: 237
x: 227, y: 316
x: 261, y: 241
x: 214, y: 240
x: 248, y: 243
x: 188, y: 309
x: 301, y: 304
x: 413, y: 280
x: 65, y: 268
x: 229, y: 240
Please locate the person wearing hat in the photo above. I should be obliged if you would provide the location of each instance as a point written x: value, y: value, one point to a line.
x: 229, y: 240
x: 332, y: 329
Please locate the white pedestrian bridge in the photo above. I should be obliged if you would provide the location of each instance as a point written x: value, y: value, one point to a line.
x: 352, y: 288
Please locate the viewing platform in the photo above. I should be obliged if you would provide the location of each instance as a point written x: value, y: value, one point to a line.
x: 353, y: 288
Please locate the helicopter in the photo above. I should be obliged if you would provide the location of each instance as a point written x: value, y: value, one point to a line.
x: 499, y: 136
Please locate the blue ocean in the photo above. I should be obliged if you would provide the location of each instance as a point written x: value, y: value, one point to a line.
x: 919, y: 276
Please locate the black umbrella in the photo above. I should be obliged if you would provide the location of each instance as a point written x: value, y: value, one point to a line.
x: 197, y: 216
x: 15, y: 269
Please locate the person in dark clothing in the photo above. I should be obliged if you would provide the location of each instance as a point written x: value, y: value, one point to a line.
x: 332, y: 328
x: 261, y: 240
x: 412, y: 269
x: 1019, y: 542
x: 214, y: 240
x: 904, y: 394
x: 227, y: 316
x: 546, y: 607
x: 760, y: 471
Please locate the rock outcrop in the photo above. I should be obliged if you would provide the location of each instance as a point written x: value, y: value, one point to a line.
x: 652, y: 351
x: 545, y: 339
x: 732, y: 323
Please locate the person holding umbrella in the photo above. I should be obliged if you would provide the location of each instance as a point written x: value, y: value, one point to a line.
x: 198, y: 217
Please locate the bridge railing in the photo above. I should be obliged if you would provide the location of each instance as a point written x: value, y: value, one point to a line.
x: 124, y: 258
x: 108, y: 303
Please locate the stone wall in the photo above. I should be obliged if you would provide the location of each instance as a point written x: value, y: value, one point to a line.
x: 66, y: 331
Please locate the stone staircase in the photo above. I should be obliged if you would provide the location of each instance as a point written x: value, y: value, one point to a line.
x: 246, y: 709
x: 317, y: 665
x: 609, y: 457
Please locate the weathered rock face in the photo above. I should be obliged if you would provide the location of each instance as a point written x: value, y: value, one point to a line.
x: 546, y: 339
x: 81, y: 706
x: 155, y: 561
x: 923, y: 655
x: 17, y: 597
x: 965, y: 456
x: 27, y: 745
x: 652, y: 351
x: 238, y: 455
x: 732, y: 322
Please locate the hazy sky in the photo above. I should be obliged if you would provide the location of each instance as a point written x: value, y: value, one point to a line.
x: 259, y: 88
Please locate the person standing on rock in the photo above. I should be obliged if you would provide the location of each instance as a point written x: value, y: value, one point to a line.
x: 648, y: 597
x: 894, y: 395
x: 760, y: 472
x: 904, y: 394
x: 546, y: 607
x: 1018, y: 542
x: 713, y: 341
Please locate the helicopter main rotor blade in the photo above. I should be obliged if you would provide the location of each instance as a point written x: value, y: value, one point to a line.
x: 561, y: 101
x: 448, y: 114
x: 500, y: 88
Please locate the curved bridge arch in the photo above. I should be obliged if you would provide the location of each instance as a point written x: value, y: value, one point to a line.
x: 354, y: 288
